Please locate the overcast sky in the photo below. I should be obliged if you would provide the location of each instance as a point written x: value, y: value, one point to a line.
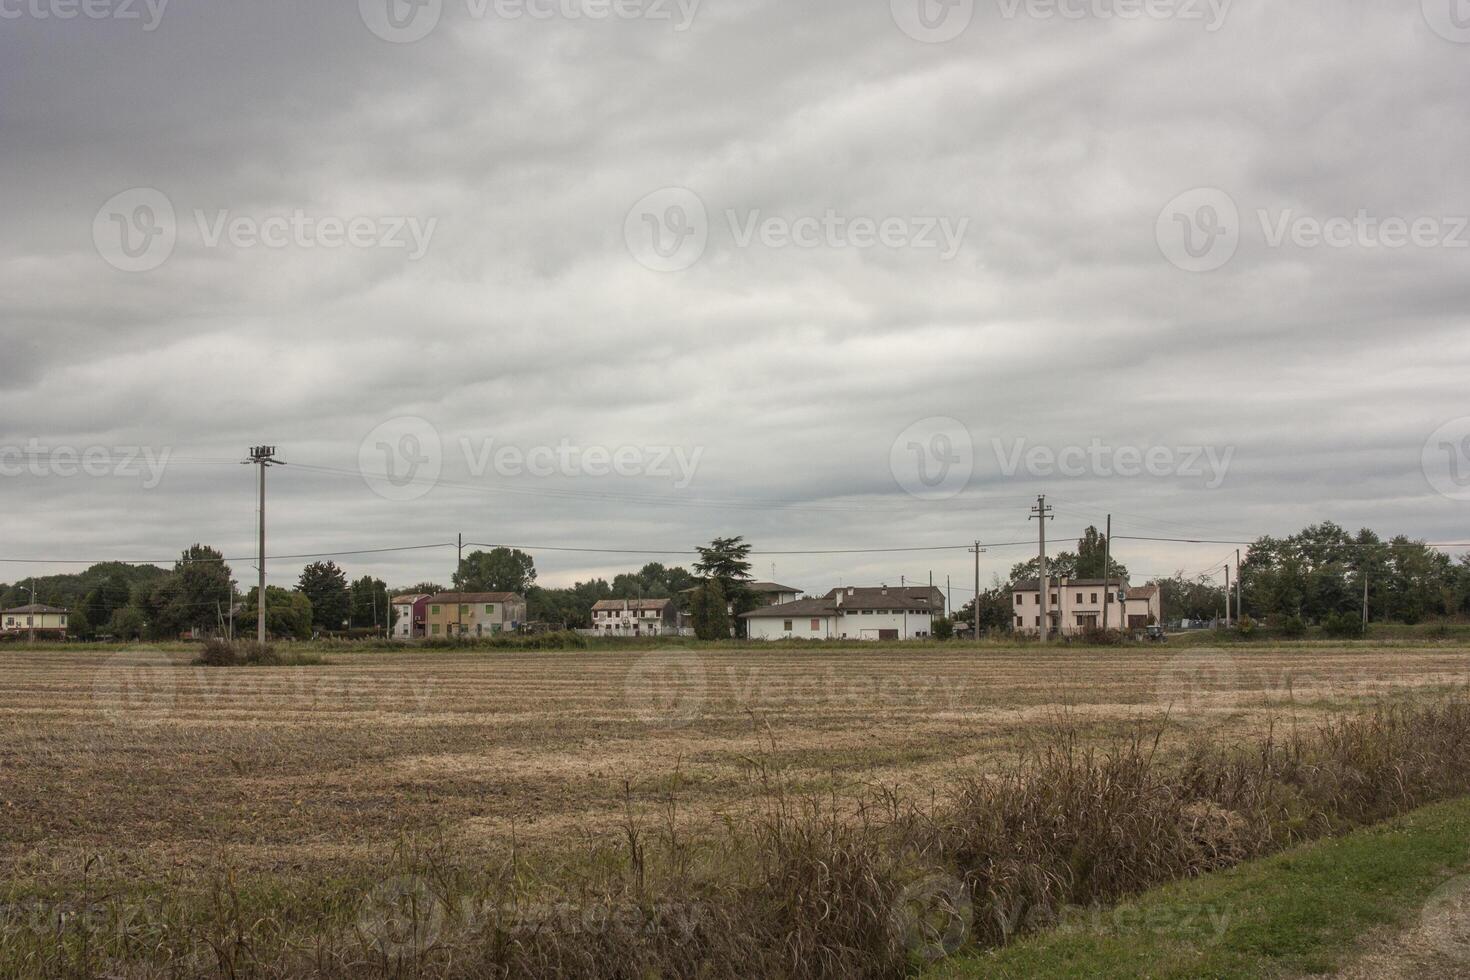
x: 839, y: 274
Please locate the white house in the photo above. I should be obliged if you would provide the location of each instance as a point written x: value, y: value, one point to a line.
x: 1076, y: 605
x: 408, y: 616
x: 850, y: 613
x: 634, y: 617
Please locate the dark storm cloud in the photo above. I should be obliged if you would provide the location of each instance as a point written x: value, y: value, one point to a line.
x: 793, y: 370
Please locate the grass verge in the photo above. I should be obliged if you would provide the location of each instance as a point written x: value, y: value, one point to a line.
x: 1295, y: 913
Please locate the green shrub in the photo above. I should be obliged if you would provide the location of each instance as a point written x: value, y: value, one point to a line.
x: 943, y: 629
x: 1343, y: 625
x: 1293, y: 627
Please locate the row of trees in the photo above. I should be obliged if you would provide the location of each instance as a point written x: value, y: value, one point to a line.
x: 198, y: 595
x: 1320, y: 572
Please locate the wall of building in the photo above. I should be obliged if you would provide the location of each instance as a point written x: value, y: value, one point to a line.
x: 761, y: 628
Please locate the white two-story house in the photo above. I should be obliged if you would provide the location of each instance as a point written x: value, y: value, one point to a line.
x: 1074, y: 606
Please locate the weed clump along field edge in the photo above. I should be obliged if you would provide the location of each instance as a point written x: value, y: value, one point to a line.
x: 806, y: 886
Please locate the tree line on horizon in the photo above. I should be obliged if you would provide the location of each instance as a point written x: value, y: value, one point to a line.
x: 1311, y: 576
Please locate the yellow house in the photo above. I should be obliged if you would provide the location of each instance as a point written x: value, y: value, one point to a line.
x: 473, y: 614
x: 47, y: 620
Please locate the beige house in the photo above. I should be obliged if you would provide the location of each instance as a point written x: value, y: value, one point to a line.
x: 473, y: 614
x: 1077, y: 605
x: 49, y: 621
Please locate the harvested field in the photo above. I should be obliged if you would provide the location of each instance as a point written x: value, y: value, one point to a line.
x: 160, y: 768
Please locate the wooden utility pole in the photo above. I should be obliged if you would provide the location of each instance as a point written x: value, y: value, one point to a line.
x: 1041, y: 513
x: 262, y: 456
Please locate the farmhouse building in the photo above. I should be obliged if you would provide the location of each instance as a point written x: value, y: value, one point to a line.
x: 880, y: 613
x: 1076, y: 605
x: 48, y: 621
x: 473, y: 613
x: 634, y: 617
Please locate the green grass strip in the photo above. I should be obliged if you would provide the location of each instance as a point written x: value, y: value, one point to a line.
x: 1298, y: 912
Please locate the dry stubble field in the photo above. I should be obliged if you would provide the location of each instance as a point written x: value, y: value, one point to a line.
x: 160, y: 770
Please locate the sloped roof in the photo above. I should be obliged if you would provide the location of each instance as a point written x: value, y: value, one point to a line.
x: 36, y: 608
x: 641, y: 605
x: 771, y: 587
x: 800, y: 607
x: 473, y: 597
x: 913, y: 597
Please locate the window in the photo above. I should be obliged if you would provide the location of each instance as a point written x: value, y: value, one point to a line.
x: 867, y: 612
x: 464, y: 608
x: 1094, y: 598
x: 1053, y: 598
x: 787, y: 626
x: 1019, y: 622
x: 1020, y: 599
x: 1038, y: 599
x: 433, y: 610
x: 489, y: 609
x: 1038, y: 620
x: 434, y: 630
x: 816, y: 625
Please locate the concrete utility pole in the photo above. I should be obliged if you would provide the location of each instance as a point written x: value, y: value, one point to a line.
x: 31, y: 619
x: 1107, y: 570
x: 975, y: 607
x: 261, y: 456
x: 459, y: 606
x: 1041, y: 513
x: 1238, y: 578
x: 1365, y: 600
x: 1227, y: 594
